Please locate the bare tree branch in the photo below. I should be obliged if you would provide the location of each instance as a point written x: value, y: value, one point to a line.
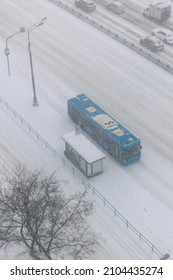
x: 34, y: 211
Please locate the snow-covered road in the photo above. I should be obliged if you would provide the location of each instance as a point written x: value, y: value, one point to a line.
x: 72, y: 57
x: 131, y: 25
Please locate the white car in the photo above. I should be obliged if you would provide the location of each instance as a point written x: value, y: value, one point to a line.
x: 163, y: 34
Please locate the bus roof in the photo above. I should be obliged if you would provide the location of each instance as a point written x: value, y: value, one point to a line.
x: 106, y: 123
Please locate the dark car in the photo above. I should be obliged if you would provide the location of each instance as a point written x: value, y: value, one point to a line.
x: 86, y: 5
x: 152, y: 43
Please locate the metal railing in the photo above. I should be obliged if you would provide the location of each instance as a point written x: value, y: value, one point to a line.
x: 84, y: 181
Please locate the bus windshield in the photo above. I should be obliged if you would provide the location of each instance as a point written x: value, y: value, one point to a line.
x: 131, y: 152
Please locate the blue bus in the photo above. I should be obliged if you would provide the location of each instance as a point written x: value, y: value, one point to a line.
x: 113, y: 137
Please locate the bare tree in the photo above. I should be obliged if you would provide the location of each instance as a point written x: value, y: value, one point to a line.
x: 35, y: 211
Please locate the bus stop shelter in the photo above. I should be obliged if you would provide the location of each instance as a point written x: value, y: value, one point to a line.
x: 83, y: 154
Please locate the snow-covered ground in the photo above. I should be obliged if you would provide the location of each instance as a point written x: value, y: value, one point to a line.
x: 70, y: 57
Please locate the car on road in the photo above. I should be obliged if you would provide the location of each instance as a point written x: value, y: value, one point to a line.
x: 152, y: 43
x: 163, y: 34
x: 85, y: 5
x: 115, y: 6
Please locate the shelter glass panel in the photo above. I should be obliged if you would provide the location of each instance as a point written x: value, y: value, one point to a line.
x: 83, y: 164
x: 97, y: 167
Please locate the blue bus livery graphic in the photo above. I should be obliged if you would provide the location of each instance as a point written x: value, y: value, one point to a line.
x: 113, y: 137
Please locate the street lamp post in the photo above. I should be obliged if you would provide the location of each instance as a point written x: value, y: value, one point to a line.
x: 7, y: 50
x: 35, y: 102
